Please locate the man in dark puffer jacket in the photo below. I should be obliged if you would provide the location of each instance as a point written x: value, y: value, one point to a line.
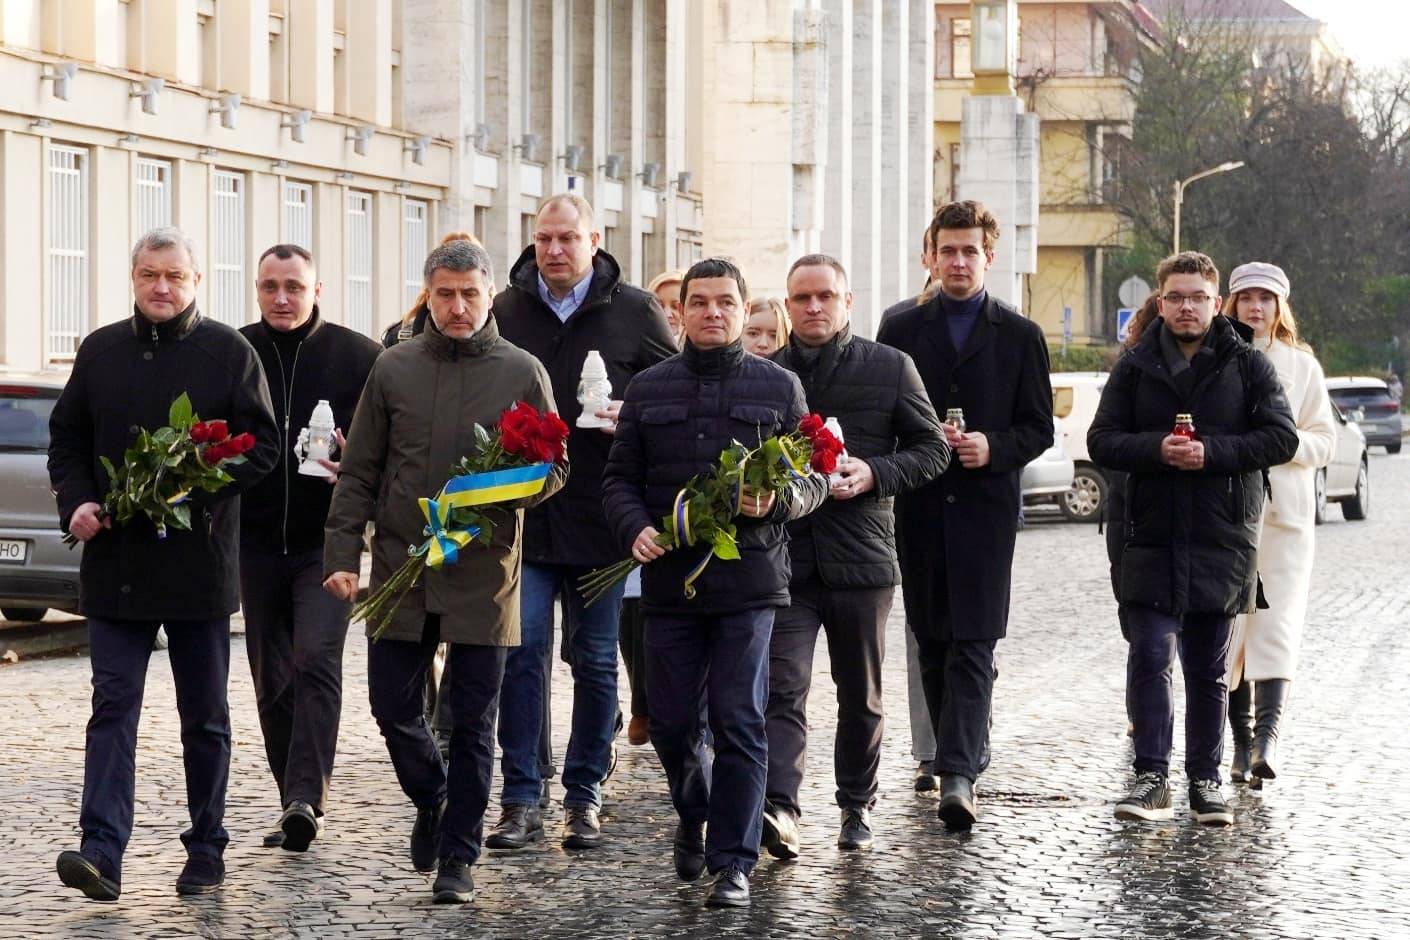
x: 844, y: 555
x: 676, y: 418
x: 1189, y: 554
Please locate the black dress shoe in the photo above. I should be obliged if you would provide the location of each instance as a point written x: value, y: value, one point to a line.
x: 299, y: 825
x: 581, y: 830
x: 453, y: 883
x: 273, y: 839
x: 856, y: 829
x: 926, y: 781
x: 688, y: 849
x: 519, y: 824
x: 731, y: 889
x: 83, y: 873
x: 423, y: 837
x: 780, y: 832
x: 201, y: 875
x: 957, y: 804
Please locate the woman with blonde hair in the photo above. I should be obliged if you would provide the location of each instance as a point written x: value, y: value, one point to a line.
x: 766, y: 330
x: 1264, y: 646
x: 667, y: 288
x: 415, y: 320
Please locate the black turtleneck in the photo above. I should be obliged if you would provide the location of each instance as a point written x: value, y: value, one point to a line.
x: 165, y: 330
x: 715, y: 360
x: 962, y: 315
x: 286, y: 342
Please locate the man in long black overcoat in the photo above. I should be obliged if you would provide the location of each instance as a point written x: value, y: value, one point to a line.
x: 956, y: 534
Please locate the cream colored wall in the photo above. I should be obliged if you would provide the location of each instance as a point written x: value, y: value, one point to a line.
x: 1065, y: 169
x: 1061, y: 281
x: 22, y: 267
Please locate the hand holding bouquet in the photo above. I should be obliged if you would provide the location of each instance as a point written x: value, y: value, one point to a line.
x: 511, y: 462
x: 704, y: 510
x: 164, y: 466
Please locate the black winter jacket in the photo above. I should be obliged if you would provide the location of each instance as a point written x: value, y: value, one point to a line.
x: 124, y: 379
x: 626, y: 325
x: 676, y: 419
x: 876, y: 394
x: 1191, y: 537
x: 285, y: 512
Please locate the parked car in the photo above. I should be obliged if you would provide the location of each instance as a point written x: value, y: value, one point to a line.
x: 1075, y: 399
x: 37, y: 570
x: 1048, y: 477
x: 1368, y: 402
x: 1347, y: 478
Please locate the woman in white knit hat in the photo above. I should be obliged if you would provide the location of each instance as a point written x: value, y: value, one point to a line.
x: 1264, y: 647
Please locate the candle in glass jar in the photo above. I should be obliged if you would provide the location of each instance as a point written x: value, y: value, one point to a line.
x: 955, y: 418
x: 1185, y: 427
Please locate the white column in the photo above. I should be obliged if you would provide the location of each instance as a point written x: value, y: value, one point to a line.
x: 866, y: 155
x: 837, y: 216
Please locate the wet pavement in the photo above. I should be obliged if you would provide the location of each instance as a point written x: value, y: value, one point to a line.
x: 1321, y: 852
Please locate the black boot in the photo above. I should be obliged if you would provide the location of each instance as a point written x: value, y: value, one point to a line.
x: 1241, y: 724
x: 1269, y: 698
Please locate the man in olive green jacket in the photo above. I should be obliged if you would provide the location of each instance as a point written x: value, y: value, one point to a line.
x: 415, y: 420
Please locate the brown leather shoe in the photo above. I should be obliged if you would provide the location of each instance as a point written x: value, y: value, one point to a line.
x: 637, y: 735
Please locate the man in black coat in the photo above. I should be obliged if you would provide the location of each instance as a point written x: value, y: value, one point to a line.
x: 295, y: 630
x: 1189, y: 554
x: 677, y: 418
x: 844, y: 555
x: 566, y: 298
x: 125, y: 377
x: 956, y: 535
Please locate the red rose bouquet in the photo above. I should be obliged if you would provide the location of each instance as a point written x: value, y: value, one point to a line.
x: 164, y: 466
x: 510, y: 463
x: 704, y: 510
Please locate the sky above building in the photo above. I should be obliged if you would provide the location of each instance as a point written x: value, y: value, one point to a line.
x: 1372, y: 31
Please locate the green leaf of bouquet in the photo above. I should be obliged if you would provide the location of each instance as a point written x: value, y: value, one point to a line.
x: 112, y: 474
x: 482, y: 436
x: 180, y: 416
x: 725, y: 548
x: 181, y: 516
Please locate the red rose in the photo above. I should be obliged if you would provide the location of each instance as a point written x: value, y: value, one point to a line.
x: 241, y: 443
x: 216, y: 430
x: 199, y: 434
x: 215, y: 453
x: 823, y: 461
x: 552, y: 432
x: 810, y: 425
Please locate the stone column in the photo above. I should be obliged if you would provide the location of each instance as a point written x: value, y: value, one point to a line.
x: 998, y: 167
x: 867, y: 125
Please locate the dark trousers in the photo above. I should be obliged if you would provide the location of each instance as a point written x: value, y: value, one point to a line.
x: 1202, y: 643
x: 396, y: 683
x: 199, y: 651
x: 855, y: 623
x: 294, y: 633
x: 958, y: 676
x: 724, y: 658
x: 632, y: 626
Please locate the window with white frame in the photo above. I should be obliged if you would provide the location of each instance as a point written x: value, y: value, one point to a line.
x: 153, y: 208
x: 228, y: 249
x: 298, y: 214
x: 68, y: 251
x: 414, y: 249
x: 359, y: 302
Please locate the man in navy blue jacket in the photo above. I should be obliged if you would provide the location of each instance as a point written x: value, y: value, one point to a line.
x: 676, y: 418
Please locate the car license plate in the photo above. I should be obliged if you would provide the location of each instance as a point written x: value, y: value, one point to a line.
x: 13, y: 551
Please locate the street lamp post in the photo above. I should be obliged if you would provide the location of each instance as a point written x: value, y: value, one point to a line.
x: 1180, y: 186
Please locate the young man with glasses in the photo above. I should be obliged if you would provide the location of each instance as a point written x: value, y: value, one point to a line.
x: 1193, y: 502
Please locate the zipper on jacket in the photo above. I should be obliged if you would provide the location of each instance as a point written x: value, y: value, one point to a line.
x: 288, y: 384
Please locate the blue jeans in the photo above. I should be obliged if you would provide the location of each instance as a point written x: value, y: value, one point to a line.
x: 593, y: 656
x: 1202, y: 642
x: 200, y: 667
x: 724, y: 658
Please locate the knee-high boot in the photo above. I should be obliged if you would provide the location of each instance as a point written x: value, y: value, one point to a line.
x: 1241, y: 724
x: 1269, y: 699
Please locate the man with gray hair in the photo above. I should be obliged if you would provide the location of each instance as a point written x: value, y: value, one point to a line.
x: 416, y: 418
x: 133, y: 581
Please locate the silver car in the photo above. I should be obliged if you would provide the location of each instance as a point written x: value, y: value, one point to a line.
x: 37, y: 570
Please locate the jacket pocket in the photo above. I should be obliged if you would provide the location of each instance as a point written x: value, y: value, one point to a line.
x: 752, y: 424
x: 664, y: 414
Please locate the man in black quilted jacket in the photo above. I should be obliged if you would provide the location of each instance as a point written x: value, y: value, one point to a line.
x: 844, y: 555
x: 676, y: 418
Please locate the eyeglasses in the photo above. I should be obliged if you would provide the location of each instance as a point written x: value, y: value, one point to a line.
x: 1178, y: 300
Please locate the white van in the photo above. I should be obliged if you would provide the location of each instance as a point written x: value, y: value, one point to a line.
x: 1075, y: 399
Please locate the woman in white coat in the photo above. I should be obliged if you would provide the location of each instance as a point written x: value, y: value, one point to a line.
x: 1264, y: 646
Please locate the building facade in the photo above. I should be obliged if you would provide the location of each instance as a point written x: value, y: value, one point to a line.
x: 365, y: 129
x: 1077, y: 71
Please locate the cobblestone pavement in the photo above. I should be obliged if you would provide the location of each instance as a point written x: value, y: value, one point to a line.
x: 1322, y: 852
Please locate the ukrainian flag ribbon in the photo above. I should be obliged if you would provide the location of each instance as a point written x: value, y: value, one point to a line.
x: 680, y: 512
x: 472, y: 489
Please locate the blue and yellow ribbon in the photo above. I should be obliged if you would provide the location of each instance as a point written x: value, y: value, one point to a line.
x: 472, y: 489
x: 685, y: 536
